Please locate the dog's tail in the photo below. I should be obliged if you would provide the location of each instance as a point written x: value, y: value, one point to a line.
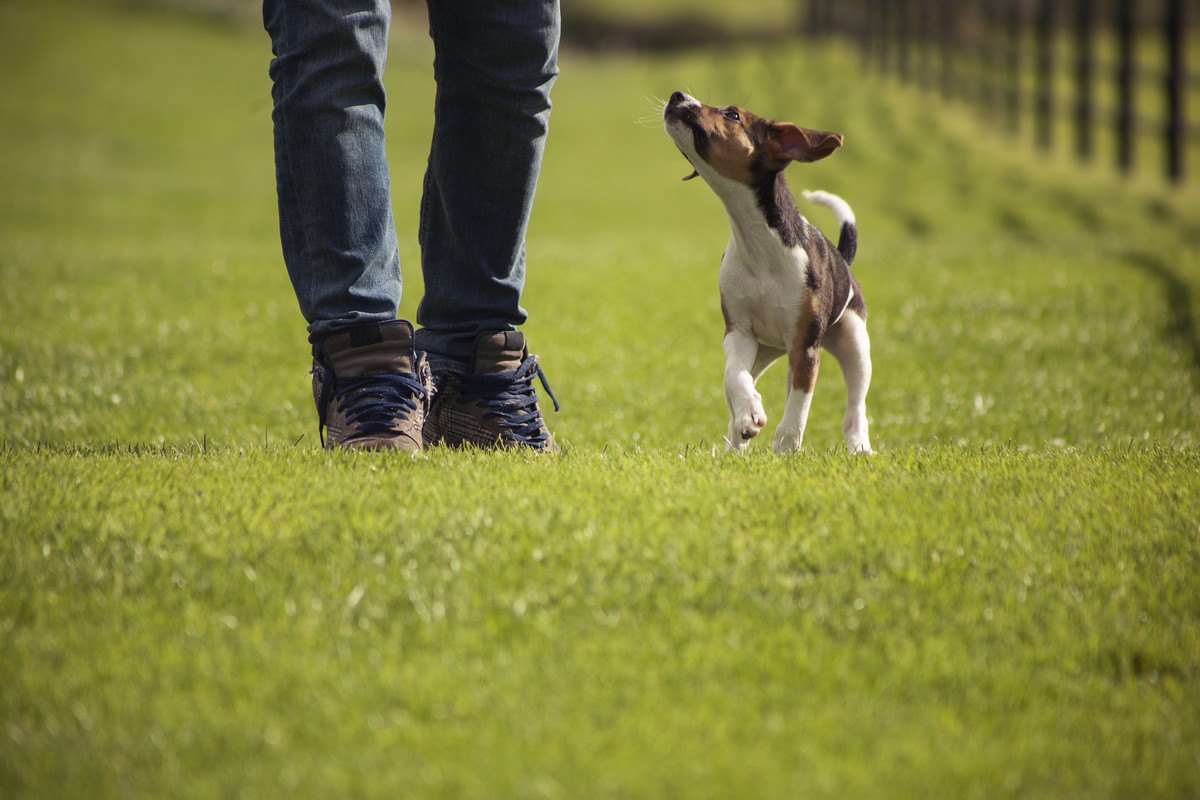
x: 848, y: 237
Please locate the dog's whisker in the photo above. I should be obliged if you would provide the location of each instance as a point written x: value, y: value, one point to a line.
x: 657, y: 107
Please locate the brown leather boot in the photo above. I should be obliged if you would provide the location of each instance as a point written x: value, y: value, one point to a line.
x: 371, y: 388
x: 496, y: 405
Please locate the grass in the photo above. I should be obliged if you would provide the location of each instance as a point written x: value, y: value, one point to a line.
x: 240, y: 623
x: 196, y: 601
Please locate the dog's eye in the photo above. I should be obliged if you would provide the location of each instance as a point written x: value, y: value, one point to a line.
x: 733, y: 115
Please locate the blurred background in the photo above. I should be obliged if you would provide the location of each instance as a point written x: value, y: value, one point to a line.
x: 1024, y: 174
x: 1103, y: 79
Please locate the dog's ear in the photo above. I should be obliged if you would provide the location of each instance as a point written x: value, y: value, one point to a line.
x: 788, y: 142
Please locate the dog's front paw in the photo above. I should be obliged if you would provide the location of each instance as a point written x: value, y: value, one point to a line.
x: 749, y: 423
x: 745, y: 426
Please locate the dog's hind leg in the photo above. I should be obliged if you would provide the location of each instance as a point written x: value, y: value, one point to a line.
x: 802, y: 379
x: 746, y: 415
x: 851, y: 346
x: 804, y: 359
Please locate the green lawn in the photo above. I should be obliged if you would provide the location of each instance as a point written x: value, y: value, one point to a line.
x: 196, y: 601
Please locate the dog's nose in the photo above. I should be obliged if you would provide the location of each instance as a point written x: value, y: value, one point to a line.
x: 677, y: 97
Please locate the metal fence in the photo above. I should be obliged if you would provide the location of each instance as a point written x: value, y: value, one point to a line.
x: 1101, y: 69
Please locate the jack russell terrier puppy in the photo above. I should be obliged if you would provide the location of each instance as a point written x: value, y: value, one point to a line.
x: 785, y: 289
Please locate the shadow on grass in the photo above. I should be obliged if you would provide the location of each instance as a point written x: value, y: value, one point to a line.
x: 1016, y: 224
x: 1181, y: 322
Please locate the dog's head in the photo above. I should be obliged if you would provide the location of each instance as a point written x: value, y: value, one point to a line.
x: 733, y: 144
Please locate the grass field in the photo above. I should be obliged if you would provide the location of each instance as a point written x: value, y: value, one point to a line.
x: 196, y: 601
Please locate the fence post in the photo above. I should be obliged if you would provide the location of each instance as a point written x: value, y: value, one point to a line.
x: 884, y: 36
x: 904, y: 39
x: 1173, y: 27
x: 1012, y: 66
x: 1085, y: 67
x: 818, y: 18
x: 983, y: 43
x: 948, y: 34
x: 1044, y: 73
x: 924, y: 43
x: 866, y: 34
x: 1124, y: 121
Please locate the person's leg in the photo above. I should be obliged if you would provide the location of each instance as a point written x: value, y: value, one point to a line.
x: 335, y: 213
x: 335, y: 219
x: 495, y: 61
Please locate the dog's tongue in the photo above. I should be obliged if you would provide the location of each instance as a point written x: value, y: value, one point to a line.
x: 694, y: 174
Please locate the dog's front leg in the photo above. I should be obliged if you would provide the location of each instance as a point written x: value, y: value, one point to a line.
x: 746, y: 415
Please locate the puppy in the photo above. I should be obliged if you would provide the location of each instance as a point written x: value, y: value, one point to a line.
x: 785, y: 289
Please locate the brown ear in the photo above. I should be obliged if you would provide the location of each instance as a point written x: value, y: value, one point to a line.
x: 793, y: 143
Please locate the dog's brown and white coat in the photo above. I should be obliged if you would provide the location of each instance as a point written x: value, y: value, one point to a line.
x: 785, y: 288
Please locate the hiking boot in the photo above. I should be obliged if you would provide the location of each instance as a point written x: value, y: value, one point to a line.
x: 495, y: 406
x: 371, y: 388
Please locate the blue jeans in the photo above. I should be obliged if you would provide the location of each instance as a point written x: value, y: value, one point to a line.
x: 494, y: 63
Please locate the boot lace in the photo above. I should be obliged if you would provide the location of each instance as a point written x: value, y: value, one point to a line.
x: 511, y: 401
x: 374, y: 402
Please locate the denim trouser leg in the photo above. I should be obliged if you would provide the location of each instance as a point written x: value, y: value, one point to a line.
x: 335, y: 214
x: 495, y: 61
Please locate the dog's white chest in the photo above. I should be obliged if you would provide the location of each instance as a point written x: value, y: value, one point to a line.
x: 765, y: 298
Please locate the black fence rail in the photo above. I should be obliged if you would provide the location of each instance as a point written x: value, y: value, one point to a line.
x: 1111, y: 69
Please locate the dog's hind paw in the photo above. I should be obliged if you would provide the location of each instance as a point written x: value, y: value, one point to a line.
x: 786, y: 443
